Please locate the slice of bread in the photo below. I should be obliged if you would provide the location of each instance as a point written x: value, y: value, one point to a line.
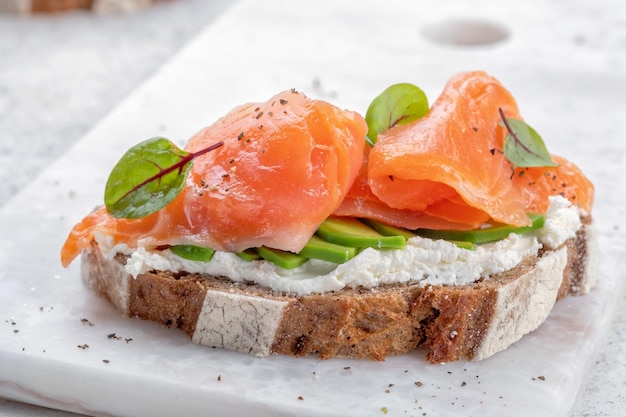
x: 455, y: 322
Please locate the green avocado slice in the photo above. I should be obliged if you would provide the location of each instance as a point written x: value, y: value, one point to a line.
x: 193, y: 253
x: 351, y: 232
x: 281, y: 258
x: 488, y: 234
x: 318, y: 248
x: 249, y: 255
x: 388, y: 230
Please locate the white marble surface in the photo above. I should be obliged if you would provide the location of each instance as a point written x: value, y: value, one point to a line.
x: 565, y: 62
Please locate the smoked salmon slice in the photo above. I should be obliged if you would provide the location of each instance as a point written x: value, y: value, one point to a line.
x: 447, y: 169
x: 285, y: 166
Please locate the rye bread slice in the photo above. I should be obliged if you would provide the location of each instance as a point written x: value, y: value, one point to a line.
x: 469, y: 322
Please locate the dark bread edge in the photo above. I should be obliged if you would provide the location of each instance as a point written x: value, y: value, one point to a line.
x: 453, y: 323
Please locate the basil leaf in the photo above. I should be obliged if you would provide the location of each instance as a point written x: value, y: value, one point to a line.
x: 146, y: 179
x: 398, y: 104
x: 193, y: 253
x: 523, y: 146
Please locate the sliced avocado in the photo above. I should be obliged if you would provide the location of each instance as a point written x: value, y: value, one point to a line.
x: 281, y: 258
x: 464, y: 245
x: 193, y: 253
x: 249, y: 255
x: 484, y: 235
x: 351, y: 232
x: 318, y: 248
x: 387, y: 230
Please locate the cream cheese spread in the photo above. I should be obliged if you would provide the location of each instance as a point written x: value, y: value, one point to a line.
x: 422, y: 260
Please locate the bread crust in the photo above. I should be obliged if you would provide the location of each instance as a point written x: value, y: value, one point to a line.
x: 469, y: 322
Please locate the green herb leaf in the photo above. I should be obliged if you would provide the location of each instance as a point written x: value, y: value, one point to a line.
x: 523, y: 146
x: 147, y: 178
x: 193, y: 253
x: 398, y: 104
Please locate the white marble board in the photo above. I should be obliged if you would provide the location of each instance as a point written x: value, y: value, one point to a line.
x: 569, y: 86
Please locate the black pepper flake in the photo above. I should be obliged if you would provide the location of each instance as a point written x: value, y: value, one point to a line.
x: 16, y: 331
x: 564, y: 185
x: 260, y: 127
x: 419, y: 383
x: 240, y: 136
x: 83, y: 346
x: 521, y: 174
x: 541, y: 378
x: 106, y: 360
x: 463, y: 383
x: 492, y: 151
x: 283, y: 101
x: 257, y: 109
x: 300, y: 397
x: 259, y: 114
x: 86, y: 321
x: 231, y: 161
x: 270, y: 114
x: 346, y: 368
x: 475, y: 129
x: 391, y: 177
x: 219, y: 378
x: 531, y: 183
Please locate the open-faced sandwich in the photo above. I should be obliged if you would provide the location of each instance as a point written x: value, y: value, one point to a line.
x: 295, y: 227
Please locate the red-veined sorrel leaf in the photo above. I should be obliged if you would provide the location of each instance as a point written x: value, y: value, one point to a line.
x: 523, y: 146
x: 148, y: 177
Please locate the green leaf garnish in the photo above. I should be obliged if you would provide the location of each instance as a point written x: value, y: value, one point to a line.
x: 193, y: 253
x: 523, y: 146
x: 398, y: 104
x: 148, y: 177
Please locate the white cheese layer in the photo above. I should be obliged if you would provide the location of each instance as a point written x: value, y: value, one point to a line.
x: 423, y: 260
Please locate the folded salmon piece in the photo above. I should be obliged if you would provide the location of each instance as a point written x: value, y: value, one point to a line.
x: 447, y: 170
x: 285, y: 166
